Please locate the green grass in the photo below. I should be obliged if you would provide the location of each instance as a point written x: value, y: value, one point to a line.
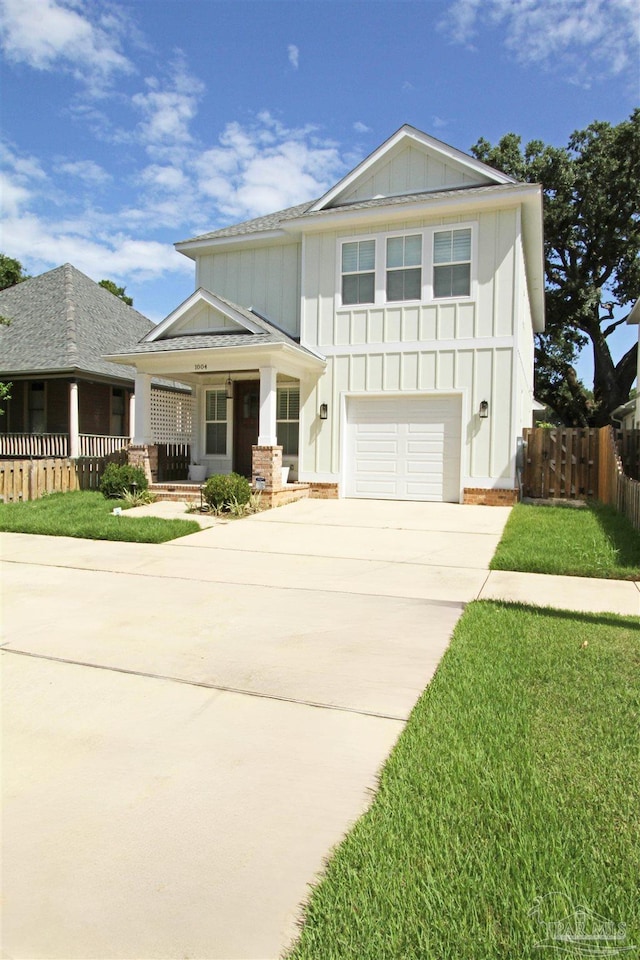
x: 86, y: 513
x: 516, y: 778
x: 594, y: 542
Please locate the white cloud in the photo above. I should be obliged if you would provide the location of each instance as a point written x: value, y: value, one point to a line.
x: 584, y: 37
x: 361, y: 127
x: 168, y: 108
x: 41, y: 244
x: 87, y: 170
x: 264, y: 166
x: 294, y: 55
x: 49, y: 34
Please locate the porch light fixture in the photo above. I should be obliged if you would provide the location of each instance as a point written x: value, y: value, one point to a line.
x: 484, y: 409
x: 228, y: 387
x: 324, y: 411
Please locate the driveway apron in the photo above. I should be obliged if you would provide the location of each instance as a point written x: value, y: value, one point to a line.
x: 190, y: 727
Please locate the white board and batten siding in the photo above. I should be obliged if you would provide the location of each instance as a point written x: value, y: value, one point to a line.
x: 403, y: 447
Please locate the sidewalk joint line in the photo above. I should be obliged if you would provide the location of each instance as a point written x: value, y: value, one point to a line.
x: 223, y: 688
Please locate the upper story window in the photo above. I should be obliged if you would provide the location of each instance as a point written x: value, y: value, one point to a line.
x: 404, y: 267
x: 452, y: 263
x: 216, y: 423
x: 358, y: 271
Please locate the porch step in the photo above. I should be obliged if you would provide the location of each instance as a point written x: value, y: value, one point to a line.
x: 180, y: 490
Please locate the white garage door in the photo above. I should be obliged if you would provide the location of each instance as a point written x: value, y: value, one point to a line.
x: 403, y: 448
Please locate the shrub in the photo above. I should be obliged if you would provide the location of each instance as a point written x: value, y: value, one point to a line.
x: 118, y: 479
x: 224, y: 489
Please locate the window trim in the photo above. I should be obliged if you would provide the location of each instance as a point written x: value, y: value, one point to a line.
x: 427, y: 287
x: 451, y: 263
x: 359, y: 273
x: 219, y: 390
x: 289, y: 388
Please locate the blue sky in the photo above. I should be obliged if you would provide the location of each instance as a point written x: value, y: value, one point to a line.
x: 127, y: 126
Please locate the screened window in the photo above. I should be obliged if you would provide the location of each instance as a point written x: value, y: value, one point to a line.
x: 117, y: 412
x: 452, y: 263
x: 216, y: 423
x: 404, y: 268
x: 287, y: 420
x: 358, y: 271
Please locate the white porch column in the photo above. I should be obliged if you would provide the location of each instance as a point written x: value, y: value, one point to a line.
x: 267, y: 432
x: 74, y: 421
x: 142, y: 433
x: 132, y: 415
x: 197, y: 450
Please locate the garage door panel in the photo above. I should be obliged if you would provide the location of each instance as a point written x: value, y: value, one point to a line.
x: 404, y: 448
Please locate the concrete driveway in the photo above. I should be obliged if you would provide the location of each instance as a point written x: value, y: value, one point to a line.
x: 189, y: 728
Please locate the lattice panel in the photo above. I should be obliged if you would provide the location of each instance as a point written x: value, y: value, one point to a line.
x: 171, y: 416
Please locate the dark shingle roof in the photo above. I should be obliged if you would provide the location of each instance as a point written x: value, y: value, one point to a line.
x: 64, y: 321
x: 274, y: 220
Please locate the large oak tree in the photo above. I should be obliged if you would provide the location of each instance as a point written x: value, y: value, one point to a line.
x: 592, y: 247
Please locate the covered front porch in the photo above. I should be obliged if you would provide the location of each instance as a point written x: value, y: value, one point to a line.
x: 249, y: 380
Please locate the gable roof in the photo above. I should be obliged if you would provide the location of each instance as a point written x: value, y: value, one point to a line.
x: 64, y: 322
x: 408, y: 135
x: 252, y: 330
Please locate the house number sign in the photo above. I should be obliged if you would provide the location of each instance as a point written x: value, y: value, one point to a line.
x: 200, y: 366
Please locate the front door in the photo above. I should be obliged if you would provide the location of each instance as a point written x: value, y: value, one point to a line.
x: 245, y: 424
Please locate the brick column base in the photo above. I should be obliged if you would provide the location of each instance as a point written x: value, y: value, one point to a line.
x: 266, y: 462
x: 145, y: 456
x: 490, y: 498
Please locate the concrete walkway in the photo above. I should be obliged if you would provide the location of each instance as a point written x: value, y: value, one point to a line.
x: 190, y: 727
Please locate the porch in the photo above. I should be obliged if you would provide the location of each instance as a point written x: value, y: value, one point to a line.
x: 38, y: 446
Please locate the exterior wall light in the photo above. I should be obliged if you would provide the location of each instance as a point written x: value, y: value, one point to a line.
x: 484, y: 409
x: 324, y: 411
x: 228, y: 387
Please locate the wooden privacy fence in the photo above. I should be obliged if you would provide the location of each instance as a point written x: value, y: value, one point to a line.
x: 32, y: 479
x: 572, y: 463
x: 173, y: 461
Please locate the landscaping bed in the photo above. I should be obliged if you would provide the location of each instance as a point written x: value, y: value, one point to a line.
x: 87, y: 514
x: 510, y: 801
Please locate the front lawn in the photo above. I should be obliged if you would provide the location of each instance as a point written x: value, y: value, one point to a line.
x: 593, y: 542
x: 511, y: 799
x: 87, y: 514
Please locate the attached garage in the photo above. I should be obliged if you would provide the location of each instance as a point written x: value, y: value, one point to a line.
x: 403, y: 448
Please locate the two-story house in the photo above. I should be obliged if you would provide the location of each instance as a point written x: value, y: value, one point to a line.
x: 380, y: 336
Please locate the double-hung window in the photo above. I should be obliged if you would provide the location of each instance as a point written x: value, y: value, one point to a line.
x: 216, y: 423
x: 359, y: 271
x: 404, y: 268
x: 452, y: 263
x: 287, y: 419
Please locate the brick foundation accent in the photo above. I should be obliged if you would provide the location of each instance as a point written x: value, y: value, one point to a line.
x: 267, y: 462
x: 145, y: 456
x: 323, y: 491
x: 489, y: 497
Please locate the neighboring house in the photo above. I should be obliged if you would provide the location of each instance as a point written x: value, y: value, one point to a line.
x: 66, y: 400
x: 381, y: 335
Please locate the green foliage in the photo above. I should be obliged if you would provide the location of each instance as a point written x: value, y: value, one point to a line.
x: 116, y: 480
x: 137, y: 498
x: 116, y: 291
x: 11, y: 272
x: 592, y: 246
x: 509, y: 800
x: 5, y: 394
x: 227, y: 491
x: 86, y: 514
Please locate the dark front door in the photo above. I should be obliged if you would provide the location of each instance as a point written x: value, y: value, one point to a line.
x: 245, y: 424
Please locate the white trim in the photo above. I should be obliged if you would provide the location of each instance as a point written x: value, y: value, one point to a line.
x: 418, y: 346
x: 193, y: 248
x: 202, y: 295
x: 410, y: 135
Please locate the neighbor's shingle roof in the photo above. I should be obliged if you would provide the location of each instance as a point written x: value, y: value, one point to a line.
x: 273, y: 220
x: 64, y: 321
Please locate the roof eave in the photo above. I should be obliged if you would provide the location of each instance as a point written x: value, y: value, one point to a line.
x: 195, y: 248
